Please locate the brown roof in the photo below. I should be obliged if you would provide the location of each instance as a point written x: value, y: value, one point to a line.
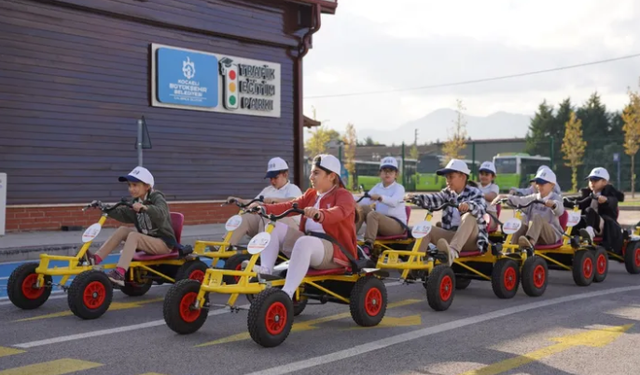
x: 310, y: 123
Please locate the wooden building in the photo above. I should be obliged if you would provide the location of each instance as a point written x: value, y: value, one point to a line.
x: 219, y: 83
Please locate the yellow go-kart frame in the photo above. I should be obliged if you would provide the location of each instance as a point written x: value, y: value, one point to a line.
x: 91, y: 291
x: 270, y: 316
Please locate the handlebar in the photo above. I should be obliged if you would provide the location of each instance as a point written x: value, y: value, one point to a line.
x: 273, y: 217
x: 576, y: 200
x: 419, y: 202
x: 106, y: 208
x: 231, y: 201
x: 365, y: 195
x: 521, y: 206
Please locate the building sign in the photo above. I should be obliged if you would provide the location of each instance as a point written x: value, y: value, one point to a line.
x: 196, y: 80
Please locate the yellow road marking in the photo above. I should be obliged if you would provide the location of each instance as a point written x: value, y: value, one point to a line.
x: 57, y: 367
x: 5, y: 352
x: 303, y: 326
x: 592, y: 338
x: 113, y: 307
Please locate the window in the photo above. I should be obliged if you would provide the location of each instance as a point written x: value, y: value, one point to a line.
x: 506, y: 165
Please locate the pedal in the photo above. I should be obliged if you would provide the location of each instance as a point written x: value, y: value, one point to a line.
x: 267, y: 277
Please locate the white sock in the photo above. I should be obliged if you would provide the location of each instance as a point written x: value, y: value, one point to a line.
x: 269, y: 255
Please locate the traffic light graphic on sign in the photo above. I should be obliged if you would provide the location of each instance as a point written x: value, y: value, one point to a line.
x: 230, y: 88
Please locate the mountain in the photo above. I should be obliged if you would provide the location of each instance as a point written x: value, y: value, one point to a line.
x: 437, y: 124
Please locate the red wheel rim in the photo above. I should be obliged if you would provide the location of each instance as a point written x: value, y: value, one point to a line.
x: 373, y: 302
x: 510, y: 278
x: 28, y: 287
x: 188, y: 314
x: 601, y: 264
x: 446, y: 288
x: 238, y: 268
x: 94, y: 295
x: 197, y: 275
x: 637, y: 257
x: 539, y: 276
x: 276, y: 318
x: 587, y: 267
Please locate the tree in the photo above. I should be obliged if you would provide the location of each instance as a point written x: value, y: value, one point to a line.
x: 350, y: 143
x: 317, y: 144
x: 631, y: 128
x: 414, y: 153
x: 457, y: 140
x: 573, y: 147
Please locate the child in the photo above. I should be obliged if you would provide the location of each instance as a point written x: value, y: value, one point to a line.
x: 531, y: 189
x: 490, y: 190
x: 464, y: 227
x: 540, y: 224
x: 390, y: 216
x: 597, y: 211
x: 153, y: 232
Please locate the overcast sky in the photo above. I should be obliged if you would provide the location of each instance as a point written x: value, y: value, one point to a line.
x: 372, y: 45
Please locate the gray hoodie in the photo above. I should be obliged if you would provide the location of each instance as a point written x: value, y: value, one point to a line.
x: 550, y: 215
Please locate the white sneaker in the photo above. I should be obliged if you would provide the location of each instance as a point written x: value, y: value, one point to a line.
x: 587, y: 234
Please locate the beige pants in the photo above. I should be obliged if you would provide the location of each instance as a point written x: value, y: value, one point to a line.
x: 539, y: 231
x: 254, y: 224
x: 465, y: 238
x: 133, y: 240
x: 378, y: 224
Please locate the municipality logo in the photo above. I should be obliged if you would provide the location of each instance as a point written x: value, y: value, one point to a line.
x: 188, y: 68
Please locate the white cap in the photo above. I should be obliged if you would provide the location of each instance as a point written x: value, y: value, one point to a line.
x: 545, y: 174
x: 138, y: 174
x: 330, y: 163
x: 454, y: 165
x: 488, y: 167
x: 599, y: 173
x: 542, y: 167
x: 275, y: 166
x: 389, y: 161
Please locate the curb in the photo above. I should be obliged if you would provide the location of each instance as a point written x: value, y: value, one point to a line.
x: 629, y: 208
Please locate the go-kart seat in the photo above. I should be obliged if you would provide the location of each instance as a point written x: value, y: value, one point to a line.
x: 332, y: 271
x: 563, y: 223
x: 471, y: 253
x: 402, y: 236
x: 177, y: 222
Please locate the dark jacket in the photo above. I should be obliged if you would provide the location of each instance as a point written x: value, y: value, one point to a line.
x: 155, y: 221
x: 608, y: 208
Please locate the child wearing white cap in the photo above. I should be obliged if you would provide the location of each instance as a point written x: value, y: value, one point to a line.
x: 389, y: 216
x: 464, y: 227
x: 279, y: 190
x: 532, y: 187
x: 540, y: 223
x: 604, y: 208
x: 487, y: 174
x: 153, y: 232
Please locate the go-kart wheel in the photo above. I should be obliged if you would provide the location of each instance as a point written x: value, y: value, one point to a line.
x: 535, y: 274
x: 178, y: 308
x: 441, y: 284
x: 583, y: 268
x: 368, y: 301
x: 90, y: 294
x: 192, y: 270
x: 22, y: 290
x: 632, y: 257
x: 234, y: 263
x: 505, y: 278
x: 602, y: 265
x: 270, y: 317
x: 462, y: 283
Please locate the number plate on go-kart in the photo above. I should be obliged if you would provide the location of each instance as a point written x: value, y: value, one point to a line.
x: 258, y: 243
x: 573, y: 218
x: 511, y: 226
x: 91, y: 233
x: 233, y: 223
x: 421, y: 229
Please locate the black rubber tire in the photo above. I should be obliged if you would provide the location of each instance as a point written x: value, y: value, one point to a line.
x: 583, y: 262
x: 358, y: 301
x: 233, y: 263
x: 535, y: 276
x: 185, y: 271
x: 14, y: 287
x: 75, y: 298
x: 505, y: 278
x: 630, y: 256
x: 462, y: 283
x: 135, y: 289
x: 441, y: 285
x: 172, y: 303
x: 601, y: 264
x: 257, y: 319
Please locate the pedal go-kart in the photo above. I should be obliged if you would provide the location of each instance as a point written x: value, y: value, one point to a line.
x: 91, y: 291
x: 587, y: 263
x: 629, y: 254
x: 270, y: 317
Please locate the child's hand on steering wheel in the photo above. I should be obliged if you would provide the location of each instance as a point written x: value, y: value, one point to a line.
x: 138, y: 206
x: 375, y: 197
x: 311, y: 212
x: 463, y: 207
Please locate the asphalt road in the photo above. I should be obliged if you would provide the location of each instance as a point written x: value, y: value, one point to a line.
x: 569, y: 330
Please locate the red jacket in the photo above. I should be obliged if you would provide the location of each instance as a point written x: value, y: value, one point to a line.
x: 338, y: 221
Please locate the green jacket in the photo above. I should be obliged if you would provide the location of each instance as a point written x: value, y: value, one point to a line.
x: 155, y: 221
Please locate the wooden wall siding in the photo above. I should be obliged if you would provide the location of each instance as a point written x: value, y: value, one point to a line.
x: 73, y: 84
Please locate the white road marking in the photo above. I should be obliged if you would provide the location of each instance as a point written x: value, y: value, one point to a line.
x: 403, y: 338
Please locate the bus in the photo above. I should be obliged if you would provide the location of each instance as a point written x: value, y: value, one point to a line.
x: 368, y: 173
x: 426, y: 178
x: 517, y: 169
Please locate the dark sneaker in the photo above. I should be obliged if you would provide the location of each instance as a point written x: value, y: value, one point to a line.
x: 524, y: 243
x: 445, y: 249
x: 116, y: 277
